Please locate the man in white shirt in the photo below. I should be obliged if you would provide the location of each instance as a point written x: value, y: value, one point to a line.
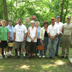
x: 59, y: 24
x: 52, y: 33
x: 20, y: 33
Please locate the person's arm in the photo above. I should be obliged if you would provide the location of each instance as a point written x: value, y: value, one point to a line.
x: 14, y: 36
x: 36, y: 34
x: 29, y: 33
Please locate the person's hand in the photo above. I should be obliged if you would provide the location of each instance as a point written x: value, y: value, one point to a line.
x: 41, y: 41
x: 32, y: 40
x: 7, y: 40
x: 14, y: 39
x: 60, y: 34
x: 0, y: 41
x: 38, y: 38
x: 52, y: 38
x: 24, y: 40
x: 10, y: 36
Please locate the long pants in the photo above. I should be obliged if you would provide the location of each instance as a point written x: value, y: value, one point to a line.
x: 58, y: 43
x: 66, y: 42
x: 45, y: 43
x: 52, y: 47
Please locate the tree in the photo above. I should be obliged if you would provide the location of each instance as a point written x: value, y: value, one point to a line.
x: 5, y: 11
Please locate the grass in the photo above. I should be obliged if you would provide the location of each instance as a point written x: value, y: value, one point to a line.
x: 12, y: 64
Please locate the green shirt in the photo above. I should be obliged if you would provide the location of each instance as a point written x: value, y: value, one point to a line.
x: 3, y: 33
x: 27, y: 25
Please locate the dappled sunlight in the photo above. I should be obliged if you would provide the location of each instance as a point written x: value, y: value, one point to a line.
x: 24, y: 67
x: 1, y: 67
x: 56, y: 63
x: 59, y: 62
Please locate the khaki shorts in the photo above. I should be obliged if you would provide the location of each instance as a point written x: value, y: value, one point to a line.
x: 19, y: 44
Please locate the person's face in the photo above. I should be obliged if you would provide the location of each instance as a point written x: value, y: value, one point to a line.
x: 32, y: 24
x: 27, y: 20
x: 68, y: 20
x: 58, y: 19
x: 53, y: 21
x: 45, y: 25
x: 3, y: 24
x: 10, y: 23
x: 37, y: 24
x: 19, y: 22
x: 34, y: 19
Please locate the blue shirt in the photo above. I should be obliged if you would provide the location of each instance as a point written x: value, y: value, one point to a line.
x: 11, y: 30
x: 38, y: 29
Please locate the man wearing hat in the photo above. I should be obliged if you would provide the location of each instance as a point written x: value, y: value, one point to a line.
x: 34, y: 18
x: 59, y: 24
x: 66, y: 39
x: 52, y: 33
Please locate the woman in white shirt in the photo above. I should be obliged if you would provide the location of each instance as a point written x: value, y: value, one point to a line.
x: 32, y: 39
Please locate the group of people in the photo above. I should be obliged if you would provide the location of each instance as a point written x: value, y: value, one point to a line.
x: 30, y: 35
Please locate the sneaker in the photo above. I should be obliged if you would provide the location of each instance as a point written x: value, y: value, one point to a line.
x: 18, y: 57
x: 40, y: 56
x: 43, y: 56
x: 66, y: 57
x: 62, y: 56
x: 5, y: 56
x: 37, y: 54
x: 24, y: 58
x: 34, y: 54
x: 11, y: 54
x: 1, y: 57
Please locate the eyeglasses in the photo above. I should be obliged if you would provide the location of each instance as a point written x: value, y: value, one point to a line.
x: 19, y: 22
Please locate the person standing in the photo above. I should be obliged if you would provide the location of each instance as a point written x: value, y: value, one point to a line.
x: 4, y: 37
x: 27, y: 24
x: 32, y: 39
x: 20, y: 33
x: 37, y: 24
x: 59, y: 24
x: 11, y: 30
x: 66, y: 38
x: 44, y: 38
x: 52, y: 33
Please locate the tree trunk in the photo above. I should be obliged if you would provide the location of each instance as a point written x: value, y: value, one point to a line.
x: 5, y: 11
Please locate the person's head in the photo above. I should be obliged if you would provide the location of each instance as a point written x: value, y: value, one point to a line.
x: 27, y: 19
x: 34, y: 18
x: 16, y: 23
x: 3, y: 22
x: 10, y: 22
x: 45, y: 24
x: 32, y: 23
x: 20, y: 21
x: 53, y: 20
x: 68, y: 20
x: 37, y: 24
x: 58, y: 19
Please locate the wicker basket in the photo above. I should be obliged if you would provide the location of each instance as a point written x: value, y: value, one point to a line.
x: 11, y: 44
x: 40, y: 47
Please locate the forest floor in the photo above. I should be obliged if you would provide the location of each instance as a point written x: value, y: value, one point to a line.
x: 12, y: 64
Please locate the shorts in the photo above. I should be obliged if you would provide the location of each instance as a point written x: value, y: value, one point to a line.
x: 31, y: 47
x: 19, y: 44
x: 3, y: 44
x: 10, y: 47
x: 26, y: 43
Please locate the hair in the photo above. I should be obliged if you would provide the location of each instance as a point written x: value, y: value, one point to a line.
x: 45, y: 22
x: 3, y: 21
x: 32, y: 21
x: 10, y: 21
x: 37, y: 22
x: 20, y: 19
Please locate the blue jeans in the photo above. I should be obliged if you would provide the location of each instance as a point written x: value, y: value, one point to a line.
x: 58, y: 43
x: 45, y: 43
x: 52, y: 47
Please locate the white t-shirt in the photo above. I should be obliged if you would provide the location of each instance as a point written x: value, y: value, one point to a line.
x: 20, y: 31
x: 53, y: 30
x: 60, y: 24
